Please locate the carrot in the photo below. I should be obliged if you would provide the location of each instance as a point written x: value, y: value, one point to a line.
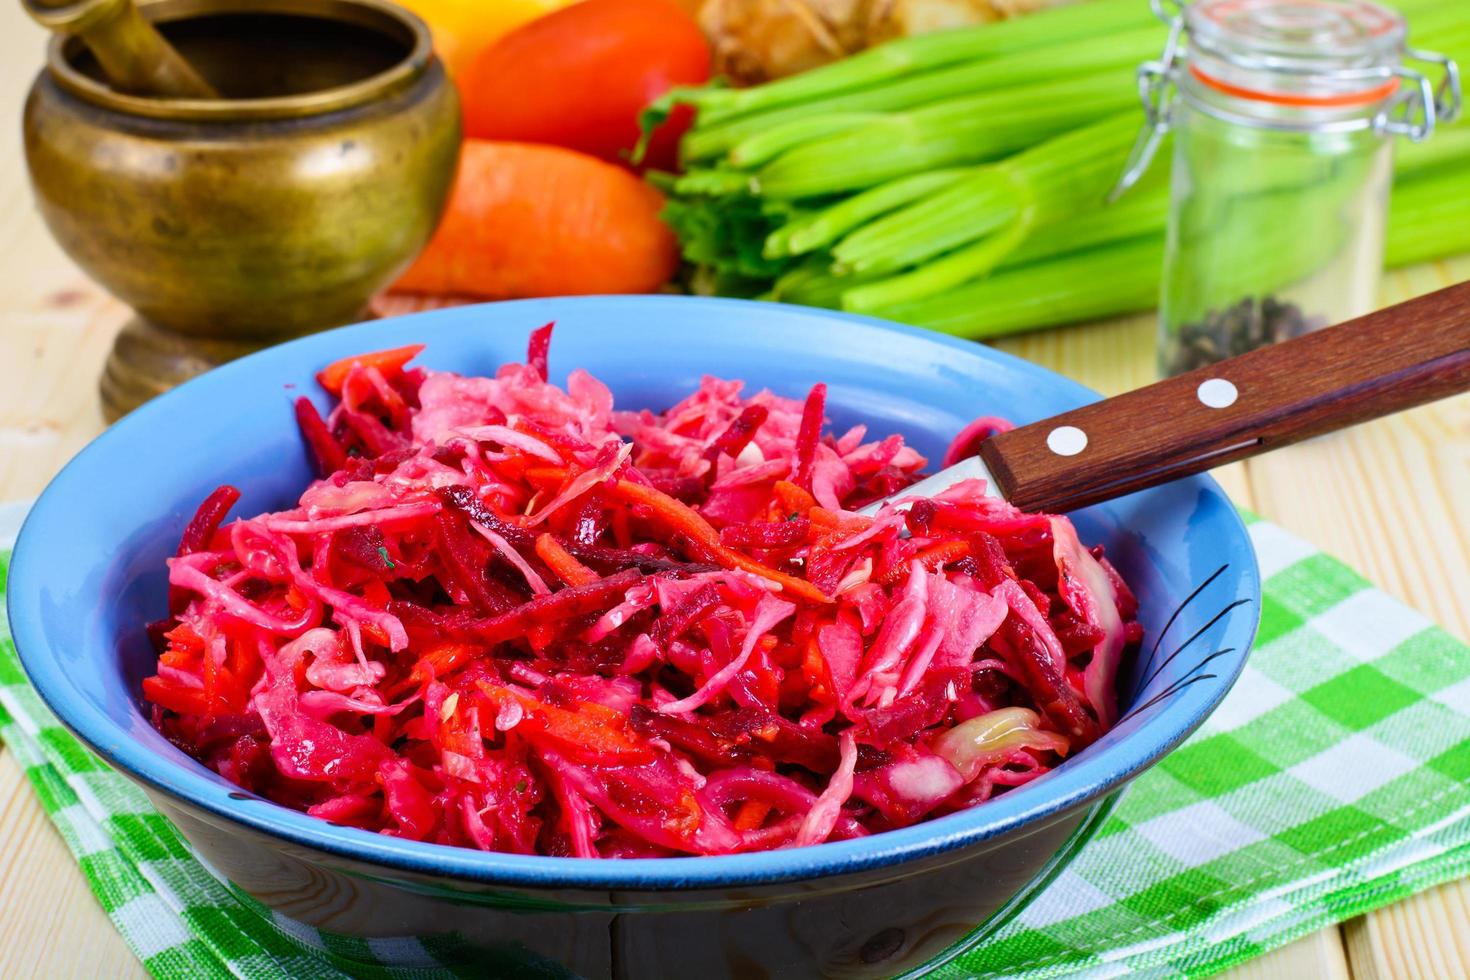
x: 440, y: 660
x: 939, y: 555
x: 175, y: 696
x: 561, y: 561
x: 545, y: 477
x: 689, y: 522
x: 529, y: 220
x: 334, y: 375
x: 823, y: 518
x: 751, y: 815
x: 792, y: 498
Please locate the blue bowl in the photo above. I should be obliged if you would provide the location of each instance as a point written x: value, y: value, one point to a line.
x: 88, y: 573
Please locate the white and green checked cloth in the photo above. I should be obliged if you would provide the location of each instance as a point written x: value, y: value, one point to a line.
x: 1334, y: 779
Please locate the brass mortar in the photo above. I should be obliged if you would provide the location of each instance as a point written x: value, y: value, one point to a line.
x: 230, y: 224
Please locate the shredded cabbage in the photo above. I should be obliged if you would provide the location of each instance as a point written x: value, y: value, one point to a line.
x: 510, y: 616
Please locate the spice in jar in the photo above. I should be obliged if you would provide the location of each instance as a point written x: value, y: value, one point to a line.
x: 1248, y: 324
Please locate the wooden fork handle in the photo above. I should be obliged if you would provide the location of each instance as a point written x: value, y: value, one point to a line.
x: 1395, y: 358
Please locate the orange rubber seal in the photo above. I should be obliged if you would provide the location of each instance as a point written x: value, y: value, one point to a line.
x: 1366, y: 97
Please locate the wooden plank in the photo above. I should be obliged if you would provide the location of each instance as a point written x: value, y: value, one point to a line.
x: 55, y: 326
x: 52, y: 926
x: 31, y: 264
x: 49, y: 408
x: 1112, y: 356
x: 1319, y: 956
x: 1427, y: 935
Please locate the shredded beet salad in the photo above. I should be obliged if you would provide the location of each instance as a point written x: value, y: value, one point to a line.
x: 511, y: 617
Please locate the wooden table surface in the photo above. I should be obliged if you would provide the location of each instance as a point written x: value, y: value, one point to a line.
x: 56, y: 327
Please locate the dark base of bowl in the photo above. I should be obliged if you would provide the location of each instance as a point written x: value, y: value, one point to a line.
x: 868, y: 924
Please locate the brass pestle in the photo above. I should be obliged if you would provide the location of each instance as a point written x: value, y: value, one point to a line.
x: 136, y: 58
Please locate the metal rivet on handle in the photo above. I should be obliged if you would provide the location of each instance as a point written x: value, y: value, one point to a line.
x: 1217, y: 393
x: 1066, y: 440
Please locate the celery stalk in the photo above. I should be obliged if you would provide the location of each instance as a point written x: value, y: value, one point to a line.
x: 1450, y: 145
x: 776, y: 140
x: 1086, y: 56
x: 1097, y: 283
x: 969, y: 209
x: 811, y: 284
x: 1429, y: 218
x: 968, y: 130
x: 1142, y: 211
x: 824, y: 227
x: 1059, y: 178
x: 954, y: 269
x: 712, y: 181
x: 922, y: 52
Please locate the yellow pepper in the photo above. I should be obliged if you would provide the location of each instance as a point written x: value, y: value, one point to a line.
x: 464, y: 28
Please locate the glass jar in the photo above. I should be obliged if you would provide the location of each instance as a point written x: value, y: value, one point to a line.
x: 1282, y: 114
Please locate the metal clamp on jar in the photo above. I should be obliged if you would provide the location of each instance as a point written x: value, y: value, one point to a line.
x: 1282, y: 114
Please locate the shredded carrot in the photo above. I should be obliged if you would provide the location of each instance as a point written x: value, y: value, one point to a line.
x: 792, y: 498
x: 334, y: 375
x: 562, y: 562
x: 683, y: 519
x: 846, y: 523
x: 545, y: 477
x: 751, y: 815
x: 941, y: 554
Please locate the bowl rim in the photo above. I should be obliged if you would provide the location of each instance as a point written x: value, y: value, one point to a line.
x: 1065, y: 788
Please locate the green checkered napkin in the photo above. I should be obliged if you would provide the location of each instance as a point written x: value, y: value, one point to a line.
x: 1334, y: 779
